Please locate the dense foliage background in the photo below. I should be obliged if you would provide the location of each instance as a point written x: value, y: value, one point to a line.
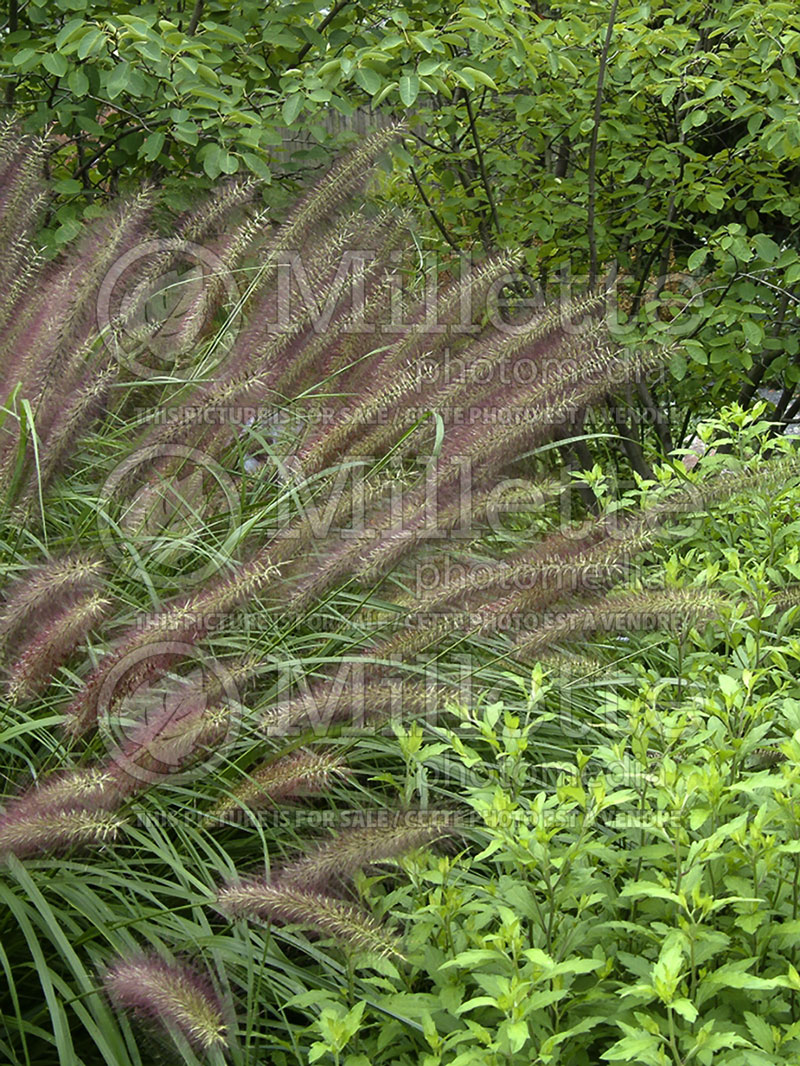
x: 656, y: 142
x: 624, y: 885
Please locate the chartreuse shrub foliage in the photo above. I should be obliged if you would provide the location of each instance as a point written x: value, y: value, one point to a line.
x: 208, y: 617
x: 636, y: 899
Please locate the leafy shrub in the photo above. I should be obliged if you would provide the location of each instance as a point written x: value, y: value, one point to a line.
x: 635, y: 898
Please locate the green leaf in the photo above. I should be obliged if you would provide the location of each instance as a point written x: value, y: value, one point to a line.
x: 292, y: 106
x: 760, y: 1031
x: 465, y: 78
x: 730, y: 686
x: 402, y: 153
x: 226, y: 33
x: 70, y: 186
x: 217, y: 160
x: 480, y: 76
x: 697, y: 258
x: 209, y: 93
x: 766, y: 248
x: 352, y: 1020
x: 517, y: 1034
x: 186, y: 132
x: 428, y: 67
x: 207, y: 74
x: 68, y: 33
x: 477, y: 1001
x: 369, y: 80
x: 54, y: 63
x: 46, y: 973
x: 696, y: 351
x: 117, y: 80
x: 686, y: 1009
x: 639, y: 1047
x: 78, y: 83
x: 384, y: 93
x: 408, y: 88
x: 678, y: 366
x: 91, y: 43
x: 423, y: 41
x: 731, y: 978
x: 754, y: 334
x: 650, y: 890
x: 258, y: 165
x: 698, y: 817
x: 471, y: 958
x: 151, y: 148
x: 22, y: 57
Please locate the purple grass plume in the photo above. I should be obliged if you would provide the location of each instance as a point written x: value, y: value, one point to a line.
x: 303, y: 773
x: 35, y: 832
x: 66, y: 810
x: 390, y: 835
x: 41, y: 591
x: 172, y: 995
x: 326, y: 915
x: 52, y: 644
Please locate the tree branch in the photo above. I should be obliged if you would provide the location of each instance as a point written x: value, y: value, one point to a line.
x: 481, y: 162
x: 438, y: 222
x: 334, y: 11
x: 598, y: 105
x: 195, y: 19
x: 13, y: 26
x: 759, y: 368
x: 85, y: 167
x: 656, y: 415
x: 630, y: 446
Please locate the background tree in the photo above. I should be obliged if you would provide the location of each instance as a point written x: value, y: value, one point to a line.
x: 673, y: 172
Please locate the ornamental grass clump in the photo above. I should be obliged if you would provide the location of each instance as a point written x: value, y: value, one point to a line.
x: 223, y: 509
